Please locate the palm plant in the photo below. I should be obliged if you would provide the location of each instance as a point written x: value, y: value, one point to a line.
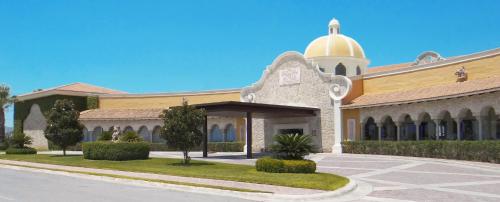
x: 292, y: 146
x: 5, y: 101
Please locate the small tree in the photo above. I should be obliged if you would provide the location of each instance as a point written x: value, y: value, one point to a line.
x: 292, y: 146
x: 5, y: 101
x: 181, y: 128
x: 105, y: 136
x: 130, y: 136
x: 19, y: 140
x: 63, y: 128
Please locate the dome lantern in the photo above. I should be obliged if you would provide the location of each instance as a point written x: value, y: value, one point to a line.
x: 334, y: 27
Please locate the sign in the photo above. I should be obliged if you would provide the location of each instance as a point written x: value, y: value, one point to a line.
x: 289, y: 76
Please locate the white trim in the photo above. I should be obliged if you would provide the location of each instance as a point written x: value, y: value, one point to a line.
x: 449, y: 61
x: 351, y: 50
x: 188, y: 93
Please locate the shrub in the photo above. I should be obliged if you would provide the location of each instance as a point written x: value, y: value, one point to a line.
x: 3, y: 146
x: 105, y: 136
x: 19, y: 140
x: 25, y: 150
x: 486, y: 151
x: 292, y: 146
x: 130, y: 136
x: 271, y: 165
x: 226, y: 146
x: 120, y: 151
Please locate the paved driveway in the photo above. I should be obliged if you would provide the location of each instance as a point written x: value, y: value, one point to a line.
x: 395, y: 178
x: 417, y: 179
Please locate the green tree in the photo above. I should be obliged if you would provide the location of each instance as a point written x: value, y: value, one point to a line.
x: 63, y: 128
x: 292, y: 146
x: 181, y: 128
x: 19, y: 140
x: 130, y: 136
x: 5, y: 101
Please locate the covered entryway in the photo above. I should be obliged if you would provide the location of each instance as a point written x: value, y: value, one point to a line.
x: 250, y: 111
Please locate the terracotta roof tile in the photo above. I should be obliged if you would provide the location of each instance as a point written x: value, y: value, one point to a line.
x: 384, y: 68
x: 120, y: 114
x: 425, y: 94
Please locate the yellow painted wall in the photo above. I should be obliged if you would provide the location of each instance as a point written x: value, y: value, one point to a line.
x: 164, y: 101
x: 350, y: 114
x: 476, y: 69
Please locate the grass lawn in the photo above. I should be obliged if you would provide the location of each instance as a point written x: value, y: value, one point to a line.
x: 199, y: 169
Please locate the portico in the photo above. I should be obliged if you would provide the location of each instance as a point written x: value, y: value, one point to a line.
x: 250, y: 111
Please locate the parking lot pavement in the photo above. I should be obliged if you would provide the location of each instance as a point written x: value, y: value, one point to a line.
x: 417, y: 179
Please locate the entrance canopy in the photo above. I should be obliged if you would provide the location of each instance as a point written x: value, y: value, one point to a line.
x: 250, y: 110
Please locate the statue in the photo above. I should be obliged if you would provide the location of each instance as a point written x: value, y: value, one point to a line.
x: 116, y: 133
x: 461, y: 74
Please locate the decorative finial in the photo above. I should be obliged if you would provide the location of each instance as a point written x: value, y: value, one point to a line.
x: 334, y: 26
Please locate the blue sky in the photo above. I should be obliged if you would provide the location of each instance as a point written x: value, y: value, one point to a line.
x: 165, y: 46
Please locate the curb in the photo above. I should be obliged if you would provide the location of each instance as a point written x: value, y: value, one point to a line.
x: 328, y: 196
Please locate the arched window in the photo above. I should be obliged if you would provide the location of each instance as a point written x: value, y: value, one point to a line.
x: 340, y: 70
x: 85, y: 134
x: 215, y: 134
x: 128, y: 129
x: 144, y: 133
x: 95, y: 133
x: 156, y: 135
x: 358, y: 70
x: 230, y: 133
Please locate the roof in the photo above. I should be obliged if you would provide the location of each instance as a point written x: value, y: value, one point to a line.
x: 459, y: 89
x: 75, y: 89
x: 121, y: 114
x: 388, y: 67
x: 259, y: 110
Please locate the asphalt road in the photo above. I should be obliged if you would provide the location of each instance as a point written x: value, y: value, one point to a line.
x: 16, y: 185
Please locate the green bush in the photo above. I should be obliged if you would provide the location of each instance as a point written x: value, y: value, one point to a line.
x: 4, y: 145
x: 120, y: 151
x: 19, y: 140
x: 25, y: 150
x: 226, y: 146
x: 271, y: 165
x: 292, y: 146
x: 105, y: 136
x: 486, y: 151
x: 130, y: 136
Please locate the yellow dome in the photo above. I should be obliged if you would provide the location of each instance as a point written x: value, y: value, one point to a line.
x: 334, y: 45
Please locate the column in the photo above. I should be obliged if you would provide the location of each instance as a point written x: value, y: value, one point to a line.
x: 249, y: 135
x: 398, y: 130
x: 205, y: 137
x: 379, y: 127
x: 362, y: 136
x: 459, y: 122
x: 437, y: 127
x: 417, y: 126
x: 481, y: 125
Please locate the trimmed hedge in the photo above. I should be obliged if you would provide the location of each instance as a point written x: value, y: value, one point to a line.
x: 271, y: 165
x: 121, y: 151
x: 485, y: 151
x: 25, y: 150
x: 226, y: 146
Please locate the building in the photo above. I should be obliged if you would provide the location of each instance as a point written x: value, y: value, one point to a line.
x: 329, y: 93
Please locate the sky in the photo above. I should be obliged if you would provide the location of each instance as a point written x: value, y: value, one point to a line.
x: 170, y: 46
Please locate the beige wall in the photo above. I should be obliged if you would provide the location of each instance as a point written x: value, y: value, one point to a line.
x: 165, y: 101
x: 476, y: 69
x: 350, y: 114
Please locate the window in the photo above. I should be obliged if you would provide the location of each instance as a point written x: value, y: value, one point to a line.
x: 358, y: 70
x: 299, y: 131
x: 340, y: 70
